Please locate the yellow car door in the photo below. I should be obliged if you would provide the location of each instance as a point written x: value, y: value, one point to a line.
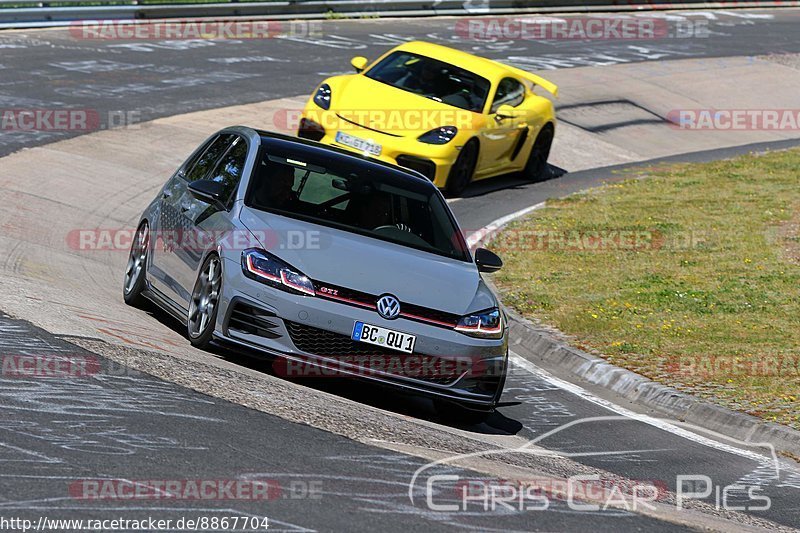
x: 504, y: 129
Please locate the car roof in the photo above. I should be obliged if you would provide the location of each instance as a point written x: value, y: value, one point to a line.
x: 479, y: 65
x: 314, y: 145
x: 281, y: 140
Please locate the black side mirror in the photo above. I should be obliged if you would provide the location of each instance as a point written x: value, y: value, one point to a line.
x: 208, y: 191
x: 487, y: 261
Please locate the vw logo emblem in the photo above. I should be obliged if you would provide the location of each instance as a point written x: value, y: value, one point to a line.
x: 388, y: 307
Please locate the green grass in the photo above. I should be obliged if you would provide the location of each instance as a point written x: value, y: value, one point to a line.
x: 714, y: 282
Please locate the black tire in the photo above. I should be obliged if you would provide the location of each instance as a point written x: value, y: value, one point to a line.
x: 536, y: 167
x: 135, y: 280
x: 454, y: 413
x: 204, y: 303
x: 462, y: 170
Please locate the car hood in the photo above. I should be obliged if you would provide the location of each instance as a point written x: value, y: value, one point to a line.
x: 370, y: 265
x: 387, y: 109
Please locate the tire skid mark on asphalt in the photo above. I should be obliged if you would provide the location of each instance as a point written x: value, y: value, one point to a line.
x: 662, y: 424
x: 89, y: 417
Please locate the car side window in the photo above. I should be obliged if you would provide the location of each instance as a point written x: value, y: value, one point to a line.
x: 199, y: 168
x: 230, y: 167
x: 509, y: 92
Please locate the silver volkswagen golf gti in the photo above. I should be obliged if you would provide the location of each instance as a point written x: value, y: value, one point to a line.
x: 333, y: 263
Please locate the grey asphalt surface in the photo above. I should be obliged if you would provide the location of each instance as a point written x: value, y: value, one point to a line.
x: 145, y: 79
x: 54, y: 433
x: 60, y: 436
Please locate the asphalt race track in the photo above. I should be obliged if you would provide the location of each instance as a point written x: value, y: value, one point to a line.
x: 162, y: 78
x: 58, y: 436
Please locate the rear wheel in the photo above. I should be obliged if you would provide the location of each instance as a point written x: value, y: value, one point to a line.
x: 134, y: 283
x: 204, y: 304
x: 463, y: 169
x: 536, y: 168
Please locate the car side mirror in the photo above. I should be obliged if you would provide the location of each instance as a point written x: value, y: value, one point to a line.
x: 487, y: 261
x: 359, y: 63
x: 208, y: 191
x: 505, y: 111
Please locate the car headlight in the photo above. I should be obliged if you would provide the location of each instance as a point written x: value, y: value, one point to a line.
x: 441, y: 135
x: 485, y: 324
x: 323, y: 96
x: 266, y: 268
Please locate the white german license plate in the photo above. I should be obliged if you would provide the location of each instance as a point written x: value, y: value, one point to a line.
x: 358, y: 143
x: 384, y: 337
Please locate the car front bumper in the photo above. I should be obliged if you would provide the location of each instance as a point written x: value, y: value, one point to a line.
x: 433, y: 161
x: 312, y: 336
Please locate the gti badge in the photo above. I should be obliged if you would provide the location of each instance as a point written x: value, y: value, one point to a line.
x: 388, y: 307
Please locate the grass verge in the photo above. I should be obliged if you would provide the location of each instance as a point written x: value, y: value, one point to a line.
x: 690, y: 277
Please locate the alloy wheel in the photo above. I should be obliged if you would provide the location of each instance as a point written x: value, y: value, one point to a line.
x: 205, y: 297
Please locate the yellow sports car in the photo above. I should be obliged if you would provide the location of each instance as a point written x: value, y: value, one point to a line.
x: 452, y: 116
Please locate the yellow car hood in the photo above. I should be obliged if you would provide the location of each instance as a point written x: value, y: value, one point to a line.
x: 378, y: 106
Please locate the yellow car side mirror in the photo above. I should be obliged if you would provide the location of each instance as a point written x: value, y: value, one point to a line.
x: 359, y: 63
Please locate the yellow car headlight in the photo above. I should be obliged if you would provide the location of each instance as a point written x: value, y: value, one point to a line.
x: 442, y: 135
x: 323, y: 96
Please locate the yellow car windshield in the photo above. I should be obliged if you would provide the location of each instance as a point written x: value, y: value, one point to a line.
x: 432, y: 79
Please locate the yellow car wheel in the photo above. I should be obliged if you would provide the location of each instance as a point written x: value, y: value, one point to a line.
x: 536, y: 168
x: 463, y: 169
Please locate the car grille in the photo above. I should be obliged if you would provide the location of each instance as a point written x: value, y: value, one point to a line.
x: 251, y: 320
x: 366, y: 300
x: 367, y: 127
x: 328, y: 344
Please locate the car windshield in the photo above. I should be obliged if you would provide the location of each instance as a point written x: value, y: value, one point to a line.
x: 432, y: 79
x: 367, y: 200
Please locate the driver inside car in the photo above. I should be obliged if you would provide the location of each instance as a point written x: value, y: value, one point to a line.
x: 275, y: 186
x: 428, y: 79
x: 376, y: 212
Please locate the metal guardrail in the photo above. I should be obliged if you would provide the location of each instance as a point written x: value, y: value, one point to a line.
x: 30, y: 13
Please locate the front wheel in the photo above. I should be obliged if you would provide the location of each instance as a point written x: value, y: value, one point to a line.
x: 462, y: 170
x: 204, y: 304
x: 134, y: 283
x: 536, y: 168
